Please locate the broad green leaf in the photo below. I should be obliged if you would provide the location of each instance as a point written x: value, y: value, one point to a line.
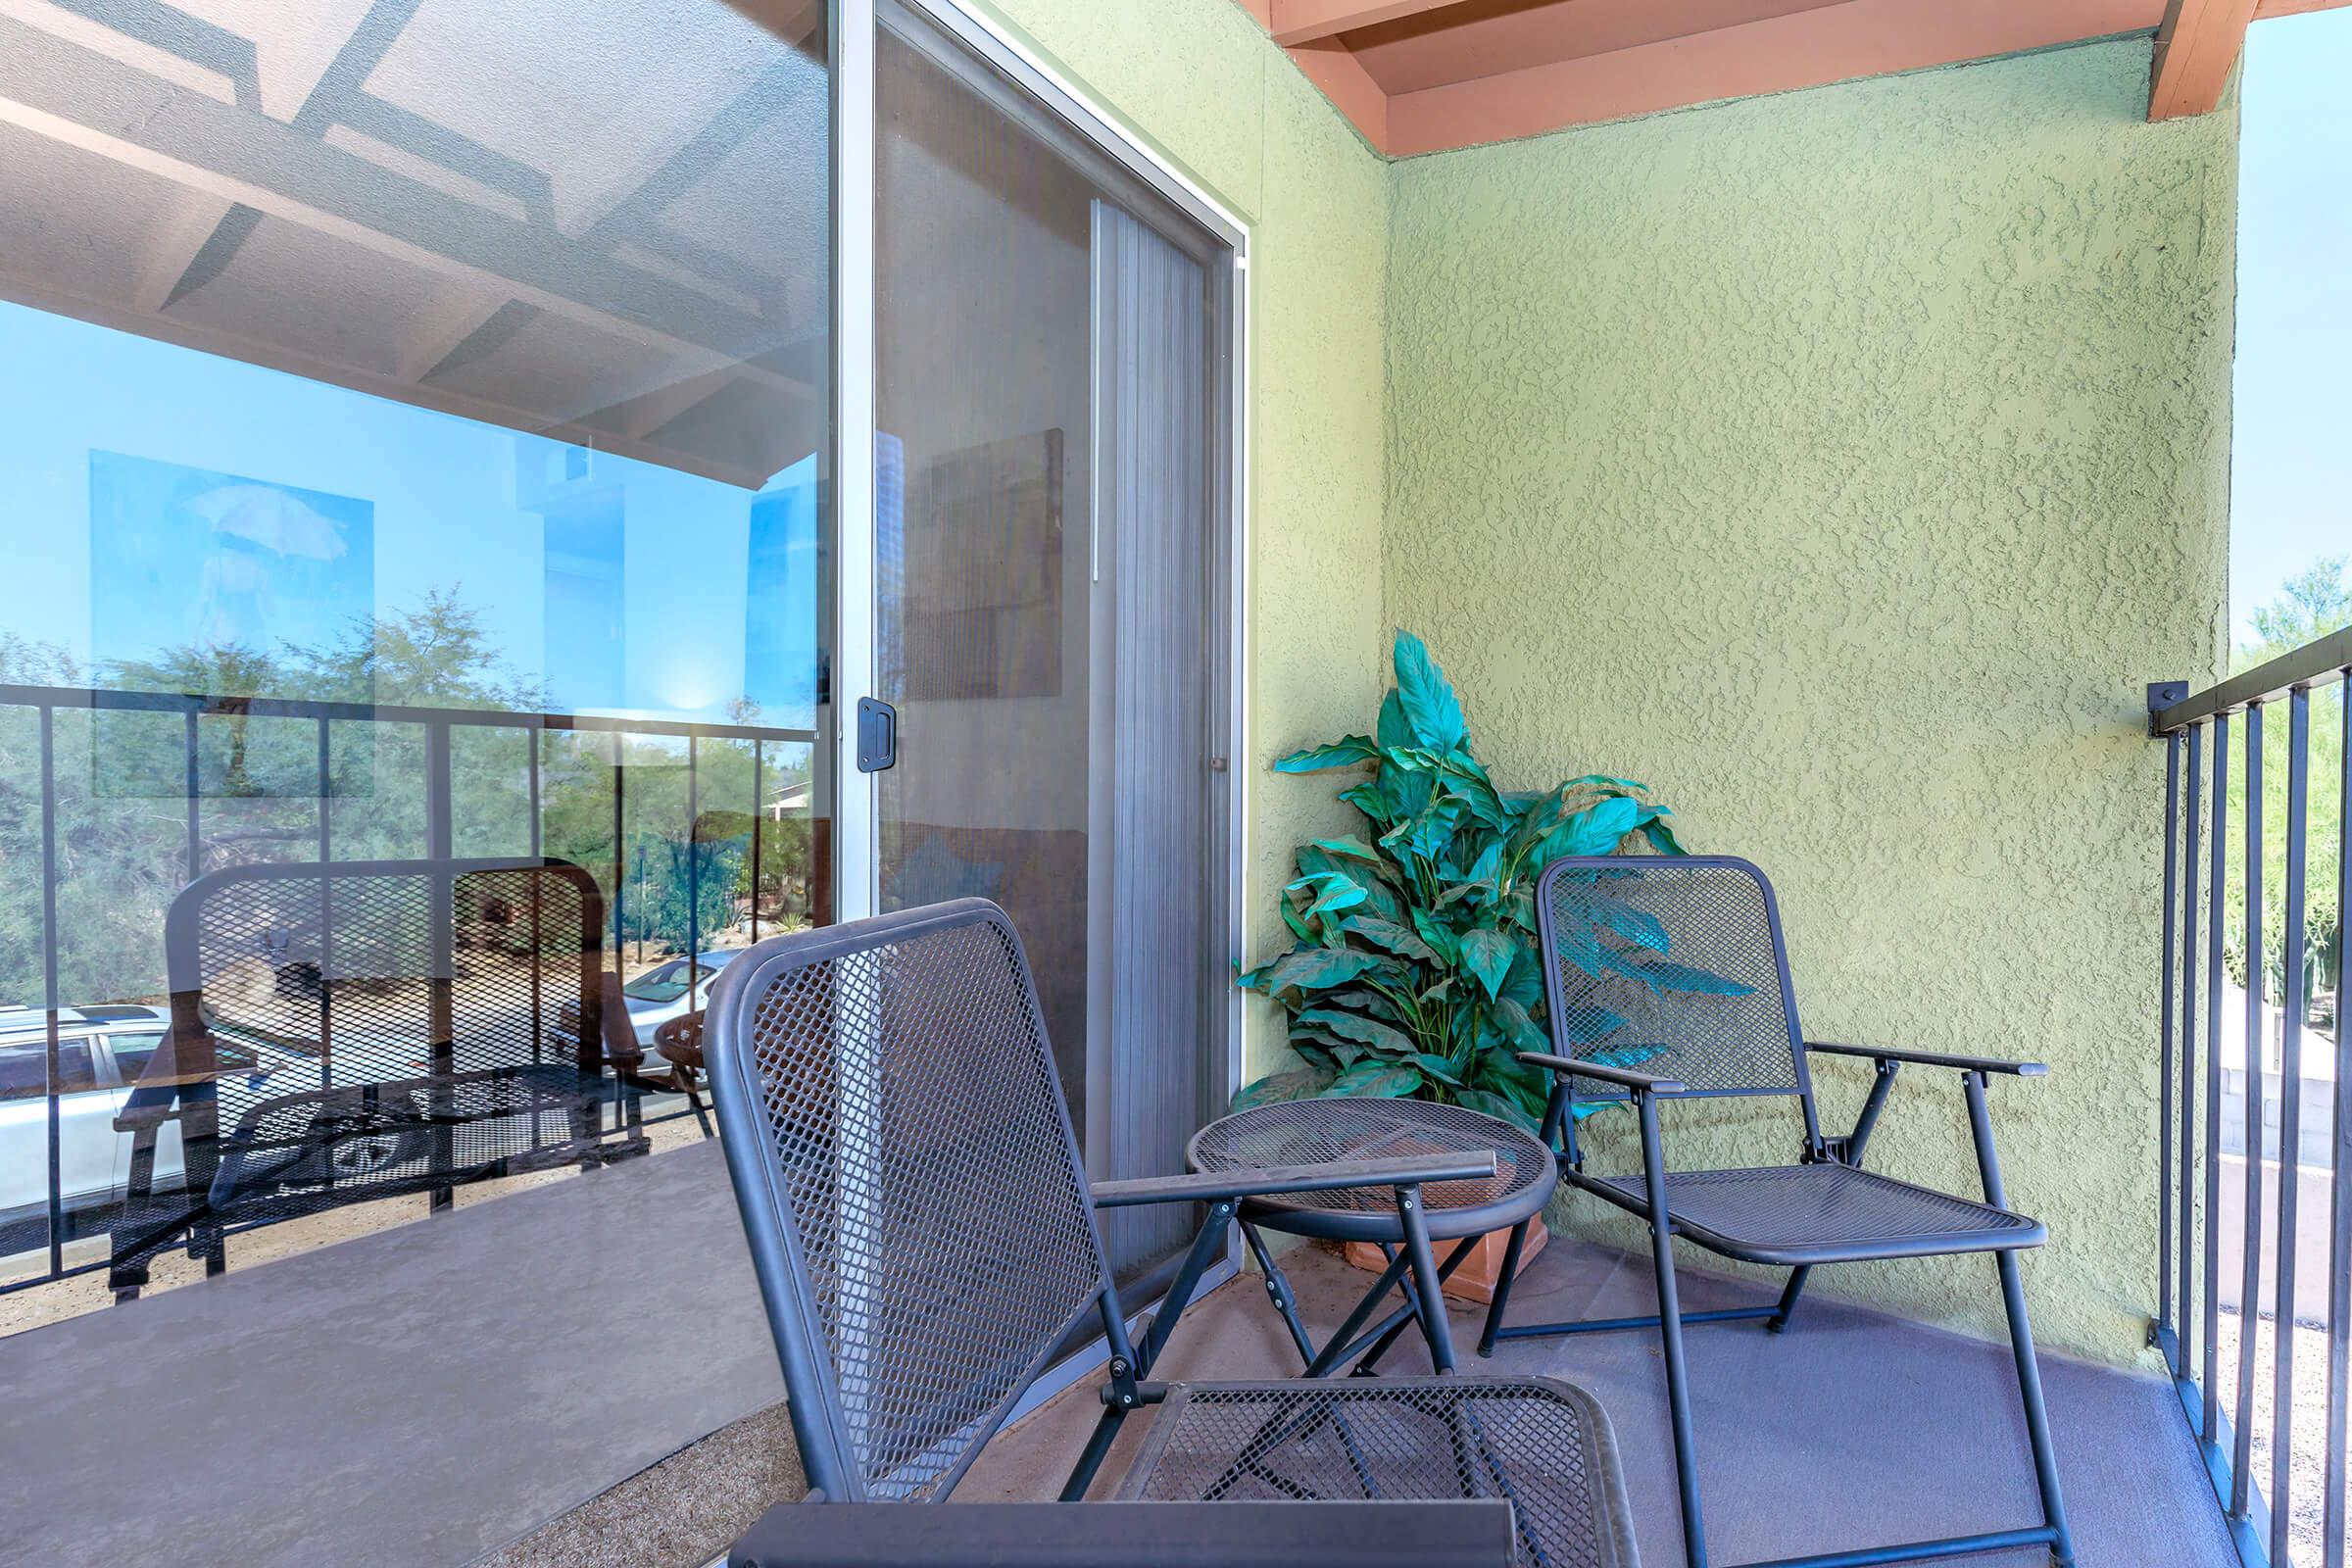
x: 1317, y: 970
x: 1487, y: 956
x: 1375, y: 1080
x: 1596, y: 828
x: 1298, y: 1083
x: 1348, y: 846
x: 1347, y: 751
x: 1369, y: 799
x: 1397, y: 939
x: 1333, y: 891
x: 1438, y: 1067
x: 1366, y: 1031
x: 1524, y: 983
x: 1661, y: 835
x: 1518, y: 1028
x: 1499, y: 1106
x: 1431, y: 708
x: 1315, y: 861
x: 1439, y: 935
x: 1299, y: 928
x: 1392, y: 730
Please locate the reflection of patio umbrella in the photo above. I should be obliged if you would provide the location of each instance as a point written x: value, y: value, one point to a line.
x: 272, y: 518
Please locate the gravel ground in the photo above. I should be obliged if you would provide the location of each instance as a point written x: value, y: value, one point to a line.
x: 2307, y: 1439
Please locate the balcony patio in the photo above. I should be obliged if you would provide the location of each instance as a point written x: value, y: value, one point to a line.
x: 521, y: 503
x: 1854, y: 1426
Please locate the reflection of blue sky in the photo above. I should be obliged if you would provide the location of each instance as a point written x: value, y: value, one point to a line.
x: 457, y: 505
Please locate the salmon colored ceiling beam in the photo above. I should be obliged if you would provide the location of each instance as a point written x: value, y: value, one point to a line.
x: 1301, y: 22
x: 1777, y: 54
x: 2195, y: 49
x: 1350, y: 87
x: 2265, y: 10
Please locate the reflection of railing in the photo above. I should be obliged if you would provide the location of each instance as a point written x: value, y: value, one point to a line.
x: 437, y: 726
x: 2192, y: 1211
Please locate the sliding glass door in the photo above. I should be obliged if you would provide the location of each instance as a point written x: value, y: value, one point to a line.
x: 1048, y: 620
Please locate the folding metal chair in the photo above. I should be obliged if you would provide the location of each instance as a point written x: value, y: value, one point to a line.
x: 1668, y: 979
x: 926, y: 1243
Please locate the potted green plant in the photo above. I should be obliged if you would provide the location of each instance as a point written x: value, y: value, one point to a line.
x: 1414, y: 970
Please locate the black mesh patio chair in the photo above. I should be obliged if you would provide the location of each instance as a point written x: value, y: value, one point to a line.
x: 1668, y: 980
x: 348, y: 1031
x: 926, y: 1243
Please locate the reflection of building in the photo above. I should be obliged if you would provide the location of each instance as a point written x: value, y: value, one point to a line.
x: 580, y: 495
x: 890, y: 566
x: 784, y: 586
x: 788, y: 800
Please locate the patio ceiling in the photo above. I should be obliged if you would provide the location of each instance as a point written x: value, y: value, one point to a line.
x: 1426, y: 76
x: 314, y: 188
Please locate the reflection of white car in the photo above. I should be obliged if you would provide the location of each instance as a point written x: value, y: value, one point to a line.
x: 100, y: 1053
x: 663, y: 992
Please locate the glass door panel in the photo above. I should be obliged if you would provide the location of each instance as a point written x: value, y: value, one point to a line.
x: 1044, y: 567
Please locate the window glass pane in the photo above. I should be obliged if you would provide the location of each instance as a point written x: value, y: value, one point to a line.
x: 418, y: 419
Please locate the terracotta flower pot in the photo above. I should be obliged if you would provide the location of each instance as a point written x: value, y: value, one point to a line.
x: 1479, y: 1273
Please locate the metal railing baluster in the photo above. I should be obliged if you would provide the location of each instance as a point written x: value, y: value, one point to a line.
x: 2291, y: 1123
x: 694, y: 872
x: 2191, y: 823
x: 2216, y: 881
x: 49, y: 982
x: 2250, y: 1290
x: 195, y: 780
x: 2339, y: 1221
x: 759, y: 816
x: 2164, y: 1071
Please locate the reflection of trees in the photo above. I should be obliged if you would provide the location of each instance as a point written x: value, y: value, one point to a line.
x: 121, y: 801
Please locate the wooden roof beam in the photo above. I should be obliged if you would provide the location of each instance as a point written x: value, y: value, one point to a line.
x: 2196, y: 48
x: 1304, y: 22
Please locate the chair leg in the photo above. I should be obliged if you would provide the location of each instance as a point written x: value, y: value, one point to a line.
x: 1428, y: 1287
x: 1777, y: 1323
x: 1503, y: 1287
x: 1670, y: 1332
x: 2037, y: 1419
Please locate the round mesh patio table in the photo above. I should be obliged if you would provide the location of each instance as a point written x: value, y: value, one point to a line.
x: 1314, y: 1132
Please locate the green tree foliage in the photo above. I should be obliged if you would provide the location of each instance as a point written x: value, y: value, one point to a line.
x: 2312, y: 604
x: 120, y: 794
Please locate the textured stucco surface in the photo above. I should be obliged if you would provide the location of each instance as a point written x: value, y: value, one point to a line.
x: 1843, y: 464
x: 1198, y: 81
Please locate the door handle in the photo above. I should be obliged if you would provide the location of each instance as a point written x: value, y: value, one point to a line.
x: 877, y: 735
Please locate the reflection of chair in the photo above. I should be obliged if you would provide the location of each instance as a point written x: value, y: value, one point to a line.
x: 926, y: 1238
x: 415, y: 1025
x: 679, y: 1042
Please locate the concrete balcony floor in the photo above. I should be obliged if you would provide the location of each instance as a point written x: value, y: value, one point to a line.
x: 1853, y: 1429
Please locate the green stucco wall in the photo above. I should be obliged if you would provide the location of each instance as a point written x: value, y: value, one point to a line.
x: 1199, y: 83
x: 1842, y: 463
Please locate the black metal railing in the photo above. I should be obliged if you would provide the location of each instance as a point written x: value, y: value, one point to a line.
x: 198, y: 714
x: 2213, y: 921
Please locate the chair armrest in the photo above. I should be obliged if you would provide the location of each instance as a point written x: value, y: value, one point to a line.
x: 1267, y: 1180
x: 1932, y: 1059
x: 1641, y: 1083
x: 1173, y: 1535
